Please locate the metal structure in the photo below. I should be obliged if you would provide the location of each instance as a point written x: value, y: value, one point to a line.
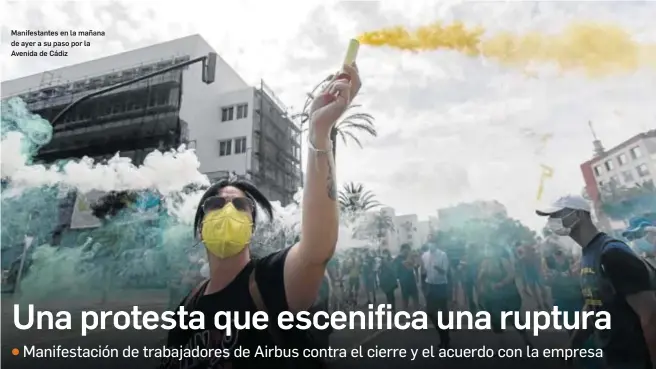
x: 132, y: 111
x: 123, y: 111
x: 276, y: 159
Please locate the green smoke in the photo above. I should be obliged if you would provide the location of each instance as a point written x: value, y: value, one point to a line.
x: 146, y: 244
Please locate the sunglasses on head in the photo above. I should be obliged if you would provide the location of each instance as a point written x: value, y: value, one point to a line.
x: 216, y: 203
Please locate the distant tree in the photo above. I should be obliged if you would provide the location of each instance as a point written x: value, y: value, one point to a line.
x: 496, y: 231
x: 348, y: 126
x: 381, y: 224
x: 620, y: 202
x: 354, y: 199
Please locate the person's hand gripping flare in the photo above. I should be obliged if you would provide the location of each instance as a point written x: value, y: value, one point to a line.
x: 331, y: 103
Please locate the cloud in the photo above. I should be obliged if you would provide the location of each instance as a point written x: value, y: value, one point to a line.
x: 452, y: 128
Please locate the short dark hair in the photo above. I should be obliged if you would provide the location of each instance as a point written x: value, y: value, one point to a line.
x: 405, y: 246
x: 240, y: 183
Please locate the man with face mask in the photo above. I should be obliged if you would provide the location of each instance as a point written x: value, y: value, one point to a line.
x: 613, y: 279
x: 286, y: 280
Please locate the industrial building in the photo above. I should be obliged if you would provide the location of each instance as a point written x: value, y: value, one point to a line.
x: 233, y: 127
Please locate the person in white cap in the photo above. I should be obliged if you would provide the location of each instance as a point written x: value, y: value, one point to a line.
x: 613, y: 279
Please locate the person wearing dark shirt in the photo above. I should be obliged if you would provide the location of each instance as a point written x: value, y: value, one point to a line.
x: 422, y: 273
x: 456, y: 252
x: 565, y: 286
x: 469, y: 266
x: 286, y: 280
x: 498, y: 290
x: 613, y: 279
x: 369, y: 277
x: 387, y: 278
x: 405, y: 264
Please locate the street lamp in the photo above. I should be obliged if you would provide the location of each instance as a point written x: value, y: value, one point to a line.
x: 209, y: 69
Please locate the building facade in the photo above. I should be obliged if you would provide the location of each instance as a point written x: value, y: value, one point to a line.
x: 233, y: 127
x: 630, y: 164
x: 405, y: 229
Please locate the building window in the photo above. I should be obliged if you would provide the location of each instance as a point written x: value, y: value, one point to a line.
x: 622, y: 159
x: 636, y: 153
x: 242, y: 111
x: 227, y: 113
x: 225, y: 147
x: 240, y: 145
x: 598, y: 170
x: 609, y: 165
x: 643, y: 170
x: 162, y: 98
x: 628, y: 176
x: 601, y: 183
x: 615, y: 180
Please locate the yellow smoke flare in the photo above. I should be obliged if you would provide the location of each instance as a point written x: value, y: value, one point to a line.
x: 599, y: 49
x: 547, y: 172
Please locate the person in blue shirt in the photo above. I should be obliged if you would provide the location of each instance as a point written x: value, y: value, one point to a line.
x: 613, y: 279
x: 642, y: 232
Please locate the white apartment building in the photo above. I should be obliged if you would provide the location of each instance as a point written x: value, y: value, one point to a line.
x: 233, y: 127
x: 628, y: 164
x: 406, y: 229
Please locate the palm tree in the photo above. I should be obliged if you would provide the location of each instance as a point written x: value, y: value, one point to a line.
x: 353, y: 198
x: 347, y: 127
x: 382, y: 223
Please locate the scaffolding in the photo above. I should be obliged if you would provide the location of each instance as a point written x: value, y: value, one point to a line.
x: 277, y: 147
x: 133, y: 120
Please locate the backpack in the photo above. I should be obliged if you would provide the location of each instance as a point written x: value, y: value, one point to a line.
x: 649, y: 262
x: 295, y: 338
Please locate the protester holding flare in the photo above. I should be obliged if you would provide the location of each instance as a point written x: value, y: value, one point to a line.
x: 286, y: 280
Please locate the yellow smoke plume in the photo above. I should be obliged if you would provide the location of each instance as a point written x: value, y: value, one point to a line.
x: 547, y: 172
x: 598, y: 49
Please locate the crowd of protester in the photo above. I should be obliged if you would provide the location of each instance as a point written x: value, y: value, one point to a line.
x: 523, y: 276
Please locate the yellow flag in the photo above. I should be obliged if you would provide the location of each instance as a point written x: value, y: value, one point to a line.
x: 82, y: 204
x: 547, y: 172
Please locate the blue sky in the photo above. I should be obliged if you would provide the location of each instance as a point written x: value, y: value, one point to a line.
x: 452, y: 128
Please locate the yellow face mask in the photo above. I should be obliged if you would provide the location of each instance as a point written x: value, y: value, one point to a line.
x: 226, y: 231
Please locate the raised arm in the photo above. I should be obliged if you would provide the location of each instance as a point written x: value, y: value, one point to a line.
x: 306, y: 262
